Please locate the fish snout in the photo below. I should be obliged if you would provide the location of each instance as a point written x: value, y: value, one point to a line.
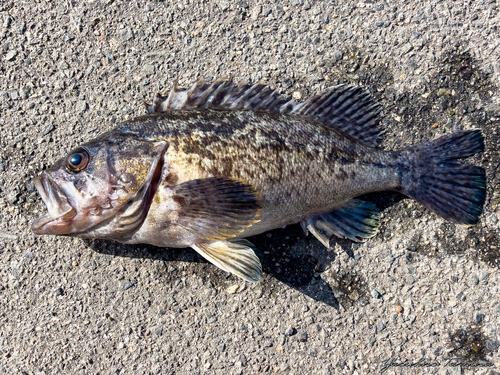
x: 60, y: 211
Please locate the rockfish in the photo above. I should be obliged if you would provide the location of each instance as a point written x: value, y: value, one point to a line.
x: 219, y: 162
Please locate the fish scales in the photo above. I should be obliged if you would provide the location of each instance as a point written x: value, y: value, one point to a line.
x: 212, y: 165
x: 299, y: 165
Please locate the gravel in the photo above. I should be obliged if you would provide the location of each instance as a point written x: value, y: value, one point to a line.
x: 375, y: 293
x: 71, y: 70
x: 302, y: 336
x: 11, y: 55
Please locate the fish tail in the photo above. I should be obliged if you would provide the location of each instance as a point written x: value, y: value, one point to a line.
x: 435, y: 178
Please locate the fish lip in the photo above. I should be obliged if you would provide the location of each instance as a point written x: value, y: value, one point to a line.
x: 60, y: 211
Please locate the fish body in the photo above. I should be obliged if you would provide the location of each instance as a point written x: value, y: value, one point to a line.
x: 220, y: 162
x: 298, y: 167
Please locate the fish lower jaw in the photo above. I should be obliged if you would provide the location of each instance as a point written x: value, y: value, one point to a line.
x: 52, y: 225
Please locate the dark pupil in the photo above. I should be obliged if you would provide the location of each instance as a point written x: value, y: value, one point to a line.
x: 76, y: 159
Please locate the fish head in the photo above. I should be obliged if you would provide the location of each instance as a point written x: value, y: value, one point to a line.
x: 102, y: 189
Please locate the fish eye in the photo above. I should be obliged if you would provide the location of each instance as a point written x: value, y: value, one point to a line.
x: 77, y: 161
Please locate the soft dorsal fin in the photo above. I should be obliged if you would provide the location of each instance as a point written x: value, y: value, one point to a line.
x: 350, y: 109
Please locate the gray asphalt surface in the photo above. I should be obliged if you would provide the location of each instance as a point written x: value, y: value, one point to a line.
x: 422, y: 288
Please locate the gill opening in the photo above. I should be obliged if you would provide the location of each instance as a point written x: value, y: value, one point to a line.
x: 133, y: 213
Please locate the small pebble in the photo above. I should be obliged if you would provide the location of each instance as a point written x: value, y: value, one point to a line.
x: 224, y: 5
x: 492, y: 219
x: 302, y: 336
x: 492, y: 346
x: 290, y: 331
x: 375, y: 293
x: 19, y: 28
x: 127, y: 34
x: 232, y: 289
x: 7, y: 22
x: 341, y: 364
x: 68, y: 37
x: 243, y: 359
x: 380, y: 326
x: 488, y: 69
x: 256, y: 12
x: 443, y: 92
x: 129, y: 284
x: 406, y: 48
x: 47, y: 129
x: 479, y: 318
x: 81, y: 106
x: 337, y: 55
x: 12, y: 197
x: 25, y: 92
x: 11, y: 55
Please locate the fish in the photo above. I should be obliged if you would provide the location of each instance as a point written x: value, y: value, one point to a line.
x: 211, y: 165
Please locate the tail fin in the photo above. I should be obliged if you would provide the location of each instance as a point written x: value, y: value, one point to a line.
x: 435, y: 178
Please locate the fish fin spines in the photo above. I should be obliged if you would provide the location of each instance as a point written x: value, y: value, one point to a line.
x: 357, y: 220
x: 234, y: 256
x: 455, y: 191
x: 221, y: 94
x: 349, y: 109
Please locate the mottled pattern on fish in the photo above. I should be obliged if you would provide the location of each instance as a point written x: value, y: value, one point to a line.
x: 220, y: 162
x: 299, y: 165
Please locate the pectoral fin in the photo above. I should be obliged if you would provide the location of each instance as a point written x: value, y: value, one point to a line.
x: 214, y: 208
x: 356, y: 221
x: 235, y: 256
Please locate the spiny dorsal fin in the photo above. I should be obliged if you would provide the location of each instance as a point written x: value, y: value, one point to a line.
x: 349, y: 109
x: 222, y: 94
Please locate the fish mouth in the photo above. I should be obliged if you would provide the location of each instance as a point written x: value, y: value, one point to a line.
x: 60, y: 212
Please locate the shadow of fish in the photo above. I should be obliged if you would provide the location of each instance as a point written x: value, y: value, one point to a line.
x: 219, y: 162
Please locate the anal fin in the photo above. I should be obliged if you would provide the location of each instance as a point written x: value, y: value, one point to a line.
x: 358, y: 220
x: 234, y: 256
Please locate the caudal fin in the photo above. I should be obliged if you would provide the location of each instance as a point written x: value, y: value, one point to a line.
x: 436, y: 179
